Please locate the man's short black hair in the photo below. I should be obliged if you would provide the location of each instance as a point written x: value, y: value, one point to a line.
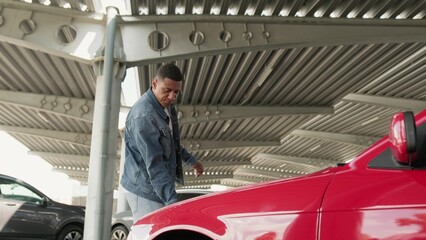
x: 171, y: 71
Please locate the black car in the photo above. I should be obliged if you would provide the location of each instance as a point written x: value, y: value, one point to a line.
x: 26, y: 213
x: 123, y: 221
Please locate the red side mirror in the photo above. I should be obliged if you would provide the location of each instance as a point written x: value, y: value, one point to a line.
x: 402, y: 137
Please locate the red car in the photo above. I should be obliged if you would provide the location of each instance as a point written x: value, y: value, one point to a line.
x: 379, y: 195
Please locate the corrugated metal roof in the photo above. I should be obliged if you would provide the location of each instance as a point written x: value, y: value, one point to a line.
x: 249, y: 116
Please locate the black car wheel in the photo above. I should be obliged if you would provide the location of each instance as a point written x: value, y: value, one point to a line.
x: 72, y: 232
x: 178, y: 235
x: 119, y: 233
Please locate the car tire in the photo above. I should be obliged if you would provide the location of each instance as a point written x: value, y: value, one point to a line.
x: 71, y: 232
x: 119, y: 232
x: 187, y: 235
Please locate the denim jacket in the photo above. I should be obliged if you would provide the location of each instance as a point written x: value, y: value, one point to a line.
x: 153, y: 154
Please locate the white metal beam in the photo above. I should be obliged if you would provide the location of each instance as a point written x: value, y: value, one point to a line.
x: 68, y: 157
x: 77, y: 108
x: 247, y: 179
x: 237, y: 181
x: 226, y: 162
x: 82, y: 175
x: 390, y: 102
x: 207, y: 177
x: 203, y: 113
x: 73, y: 172
x: 256, y: 34
x: 80, y: 139
x: 201, y: 145
x: 395, y: 73
x: 357, y: 140
x: 90, y: 29
x: 199, y: 184
x: 308, y: 162
x: 245, y: 32
x: 188, y: 114
x: 262, y: 173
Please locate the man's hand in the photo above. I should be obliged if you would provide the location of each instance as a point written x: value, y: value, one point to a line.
x: 198, y: 169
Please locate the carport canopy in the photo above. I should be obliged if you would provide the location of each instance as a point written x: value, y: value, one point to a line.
x: 272, y: 89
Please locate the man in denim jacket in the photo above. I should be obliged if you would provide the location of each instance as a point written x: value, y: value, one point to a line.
x: 153, y: 152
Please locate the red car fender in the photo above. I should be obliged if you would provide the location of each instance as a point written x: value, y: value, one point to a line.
x: 256, y: 210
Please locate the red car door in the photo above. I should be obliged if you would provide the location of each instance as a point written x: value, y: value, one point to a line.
x: 376, y: 197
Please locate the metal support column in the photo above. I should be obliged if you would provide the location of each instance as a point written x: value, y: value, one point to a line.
x: 103, y: 153
x: 122, y: 204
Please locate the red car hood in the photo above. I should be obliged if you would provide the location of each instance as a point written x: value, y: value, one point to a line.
x: 218, y: 211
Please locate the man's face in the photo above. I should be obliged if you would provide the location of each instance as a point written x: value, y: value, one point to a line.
x: 166, y: 90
